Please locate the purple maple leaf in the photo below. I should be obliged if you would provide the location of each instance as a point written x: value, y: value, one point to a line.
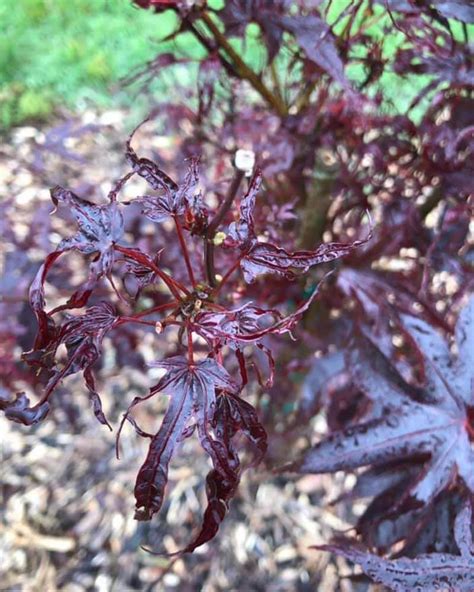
x: 100, y: 227
x: 83, y: 336
x: 259, y: 257
x: 192, y: 388
x: 436, y: 421
x: 432, y: 571
x: 237, y: 14
x: 173, y: 198
x: 232, y: 416
x: 203, y: 391
x: 313, y: 36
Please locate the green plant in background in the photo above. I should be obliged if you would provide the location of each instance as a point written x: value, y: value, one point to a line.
x: 67, y: 53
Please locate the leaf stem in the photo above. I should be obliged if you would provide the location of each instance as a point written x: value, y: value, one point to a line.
x: 190, y: 344
x: 154, y: 309
x: 184, y: 250
x: 122, y: 320
x: 226, y: 204
x: 214, y: 225
x: 172, y: 284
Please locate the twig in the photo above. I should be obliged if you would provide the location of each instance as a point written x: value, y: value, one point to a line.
x: 155, y: 309
x: 214, y: 225
x: 184, y: 250
x: 228, y: 274
x: 172, y: 284
x: 226, y: 204
x: 243, y: 71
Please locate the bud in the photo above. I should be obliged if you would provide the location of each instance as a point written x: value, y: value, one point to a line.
x: 245, y: 161
x: 219, y: 238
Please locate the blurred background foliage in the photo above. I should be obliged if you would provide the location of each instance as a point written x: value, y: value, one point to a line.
x: 71, y: 54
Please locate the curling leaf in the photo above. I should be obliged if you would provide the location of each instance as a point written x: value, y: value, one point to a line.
x: 233, y: 416
x: 83, y: 336
x: 173, y: 198
x: 192, y: 388
x: 259, y: 257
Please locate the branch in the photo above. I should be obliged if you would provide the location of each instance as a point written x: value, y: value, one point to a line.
x: 141, y: 258
x: 431, y: 202
x: 209, y: 46
x: 243, y: 71
x: 226, y: 204
x: 214, y: 225
x: 315, y: 211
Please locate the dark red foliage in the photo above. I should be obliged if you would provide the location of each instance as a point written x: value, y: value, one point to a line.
x: 404, y: 422
x: 383, y: 346
x: 263, y: 258
x: 232, y: 416
x: 193, y: 394
x: 83, y: 336
x: 462, y: 10
x: 203, y: 396
x: 432, y: 571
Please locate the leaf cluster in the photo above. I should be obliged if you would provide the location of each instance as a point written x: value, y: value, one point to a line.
x: 386, y: 341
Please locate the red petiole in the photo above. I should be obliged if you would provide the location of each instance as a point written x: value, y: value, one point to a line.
x: 173, y: 285
x: 184, y: 249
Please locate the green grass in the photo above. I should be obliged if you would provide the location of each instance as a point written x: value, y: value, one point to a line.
x: 70, y: 52
x: 74, y: 53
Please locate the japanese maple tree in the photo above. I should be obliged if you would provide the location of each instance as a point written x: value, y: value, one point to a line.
x: 373, y: 186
